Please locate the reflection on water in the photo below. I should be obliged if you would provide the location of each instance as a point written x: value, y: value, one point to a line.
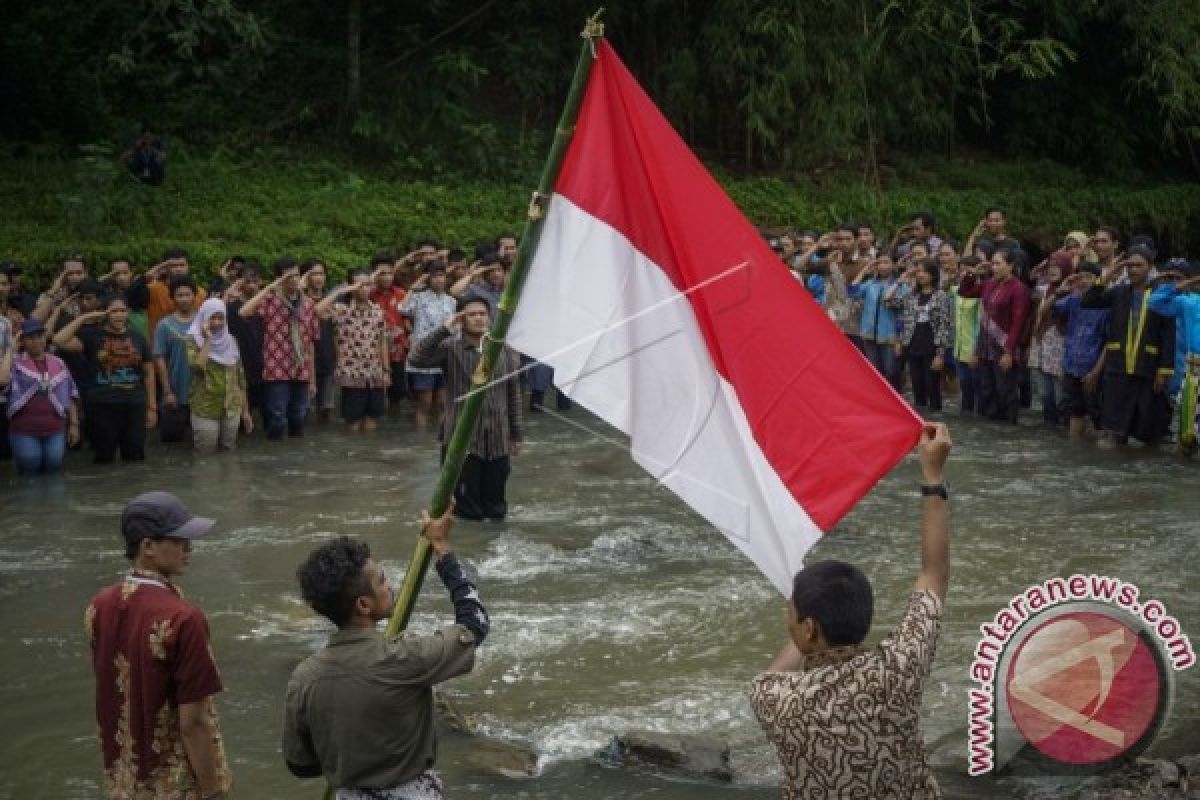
x: 613, y: 606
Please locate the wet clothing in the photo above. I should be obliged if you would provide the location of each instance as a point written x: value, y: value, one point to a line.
x: 360, y: 710
x: 1140, y: 347
x: 150, y: 654
x: 847, y: 724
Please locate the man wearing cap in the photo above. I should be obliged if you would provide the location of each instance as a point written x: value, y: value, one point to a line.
x: 156, y: 677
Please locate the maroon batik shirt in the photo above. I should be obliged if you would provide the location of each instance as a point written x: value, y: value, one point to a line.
x: 150, y: 654
x: 288, y: 351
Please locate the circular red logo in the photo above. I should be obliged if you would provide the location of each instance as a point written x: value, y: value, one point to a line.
x: 1085, y: 688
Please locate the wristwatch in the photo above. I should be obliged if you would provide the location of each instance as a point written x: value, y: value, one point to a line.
x: 935, y: 490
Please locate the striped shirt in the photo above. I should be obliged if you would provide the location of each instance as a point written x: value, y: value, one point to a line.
x: 500, y: 419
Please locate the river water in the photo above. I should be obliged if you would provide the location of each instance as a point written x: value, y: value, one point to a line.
x: 613, y: 606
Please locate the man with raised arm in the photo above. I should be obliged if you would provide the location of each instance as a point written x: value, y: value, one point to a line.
x: 844, y: 718
x: 360, y: 710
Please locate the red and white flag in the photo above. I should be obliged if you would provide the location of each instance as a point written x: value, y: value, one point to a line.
x: 663, y: 311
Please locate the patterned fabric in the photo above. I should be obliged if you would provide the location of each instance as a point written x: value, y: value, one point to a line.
x: 359, y: 328
x: 150, y: 654
x: 28, y: 379
x: 391, y: 300
x: 500, y: 421
x: 1048, y: 352
x: 280, y: 359
x: 936, y: 310
x: 1087, y: 329
x: 427, y: 786
x: 427, y: 310
x: 847, y: 723
x: 218, y: 390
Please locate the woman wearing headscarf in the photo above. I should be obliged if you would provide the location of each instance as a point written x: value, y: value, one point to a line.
x: 218, y: 393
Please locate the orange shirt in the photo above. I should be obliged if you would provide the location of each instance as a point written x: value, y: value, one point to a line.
x: 159, y: 304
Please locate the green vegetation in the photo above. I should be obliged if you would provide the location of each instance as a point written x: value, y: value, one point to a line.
x: 269, y: 201
x: 767, y: 85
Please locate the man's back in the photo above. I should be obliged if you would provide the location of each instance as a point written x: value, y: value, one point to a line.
x: 846, y: 724
x: 362, y: 708
x: 151, y: 654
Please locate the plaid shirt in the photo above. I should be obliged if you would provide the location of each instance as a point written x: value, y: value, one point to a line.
x: 500, y: 421
x: 280, y: 360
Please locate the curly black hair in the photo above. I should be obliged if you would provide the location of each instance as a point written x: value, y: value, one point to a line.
x: 332, y: 578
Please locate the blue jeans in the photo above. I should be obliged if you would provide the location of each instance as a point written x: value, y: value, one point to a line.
x: 883, y: 357
x: 968, y: 385
x: 38, y: 454
x: 1052, y: 395
x: 285, y: 407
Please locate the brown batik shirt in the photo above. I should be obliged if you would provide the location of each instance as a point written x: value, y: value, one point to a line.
x: 151, y: 654
x: 846, y: 724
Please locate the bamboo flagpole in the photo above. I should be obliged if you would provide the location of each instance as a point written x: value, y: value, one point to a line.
x: 464, y: 427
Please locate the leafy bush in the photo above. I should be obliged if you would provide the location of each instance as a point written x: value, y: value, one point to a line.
x: 266, y: 202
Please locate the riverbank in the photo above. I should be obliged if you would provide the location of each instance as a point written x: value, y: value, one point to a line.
x: 263, y: 202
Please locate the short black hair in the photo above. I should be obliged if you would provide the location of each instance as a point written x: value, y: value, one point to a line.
x: 455, y: 255
x: 283, y: 264
x: 838, y: 597
x: 467, y: 300
x: 178, y: 281
x: 380, y: 258
x: 428, y: 243
x: 934, y: 268
x: 175, y: 252
x: 485, y: 251
x: 927, y: 219
x: 356, y: 272
x: 1111, y: 231
x: 307, y: 265
x: 506, y: 235
x: 848, y: 227
x: 333, y: 577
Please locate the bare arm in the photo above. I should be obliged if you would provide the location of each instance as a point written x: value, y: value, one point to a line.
x: 199, y: 733
x: 250, y: 307
x: 935, y: 513
x: 460, y: 285
x: 325, y: 307
x: 68, y: 339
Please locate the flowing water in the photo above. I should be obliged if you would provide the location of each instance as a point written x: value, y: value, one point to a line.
x: 613, y: 606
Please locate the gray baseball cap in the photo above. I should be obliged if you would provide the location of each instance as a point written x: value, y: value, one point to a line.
x: 156, y: 514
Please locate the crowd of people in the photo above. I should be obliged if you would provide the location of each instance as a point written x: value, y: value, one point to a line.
x: 99, y: 361
x: 1101, y: 331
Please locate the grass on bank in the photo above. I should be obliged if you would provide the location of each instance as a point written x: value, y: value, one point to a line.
x: 271, y: 201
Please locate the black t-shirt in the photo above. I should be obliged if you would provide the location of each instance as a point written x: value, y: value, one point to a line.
x: 922, y: 340
x: 249, y: 335
x: 113, y: 365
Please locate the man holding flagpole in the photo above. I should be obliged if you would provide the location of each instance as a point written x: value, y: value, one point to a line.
x: 360, y: 710
x: 844, y: 719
